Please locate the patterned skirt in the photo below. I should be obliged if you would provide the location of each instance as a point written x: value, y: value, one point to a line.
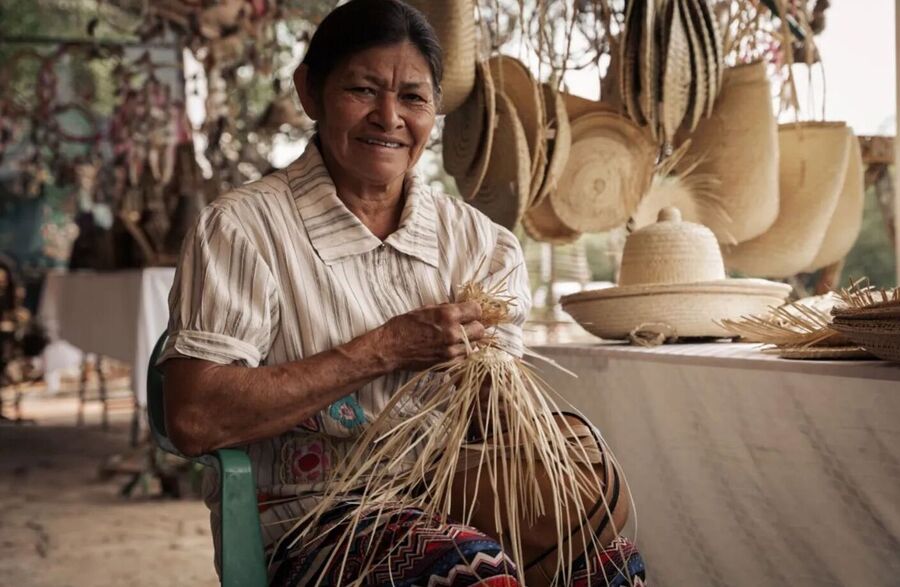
x: 406, y: 549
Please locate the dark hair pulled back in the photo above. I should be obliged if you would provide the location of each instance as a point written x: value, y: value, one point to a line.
x: 362, y: 24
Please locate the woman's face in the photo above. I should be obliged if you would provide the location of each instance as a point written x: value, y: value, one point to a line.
x: 377, y: 112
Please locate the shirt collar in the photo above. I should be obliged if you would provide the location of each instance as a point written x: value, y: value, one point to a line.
x: 336, y: 233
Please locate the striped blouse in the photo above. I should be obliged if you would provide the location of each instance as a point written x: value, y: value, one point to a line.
x: 280, y: 269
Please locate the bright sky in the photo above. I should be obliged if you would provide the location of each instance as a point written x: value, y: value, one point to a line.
x: 857, y: 48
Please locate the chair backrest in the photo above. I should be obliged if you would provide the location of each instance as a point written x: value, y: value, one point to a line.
x: 156, y: 406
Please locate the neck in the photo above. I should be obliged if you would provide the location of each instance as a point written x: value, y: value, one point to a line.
x: 378, y: 207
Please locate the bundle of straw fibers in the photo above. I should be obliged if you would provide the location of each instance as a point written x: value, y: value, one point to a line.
x: 503, y: 194
x: 454, y: 23
x: 479, y: 439
x: 846, y: 221
x: 739, y: 145
x: 813, y: 165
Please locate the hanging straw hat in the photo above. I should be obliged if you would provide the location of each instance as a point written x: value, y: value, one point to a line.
x: 469, y: 130
x: 513, y: 79
x: 846, y: 221
x: 812, y: 169
x: 576, y: 106
x: 454, y: 23
x: 559, y: 142
x: 739, y: 145
x: 541, y: 221
x: 503, y: 194
x: 609, y: 169
x: 672, y: 280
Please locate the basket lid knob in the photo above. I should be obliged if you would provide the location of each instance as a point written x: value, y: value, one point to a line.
x: 669, y: 214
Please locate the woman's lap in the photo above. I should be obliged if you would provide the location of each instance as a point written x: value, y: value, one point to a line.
x: 409, y: 550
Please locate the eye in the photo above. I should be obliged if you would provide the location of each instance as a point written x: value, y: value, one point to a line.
x: 363, y: 90
x: 414, y: 98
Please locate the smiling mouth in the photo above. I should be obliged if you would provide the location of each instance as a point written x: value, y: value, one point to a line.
x: 380, y: 143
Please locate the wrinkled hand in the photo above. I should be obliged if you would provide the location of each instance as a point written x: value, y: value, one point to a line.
x: 430, y: 335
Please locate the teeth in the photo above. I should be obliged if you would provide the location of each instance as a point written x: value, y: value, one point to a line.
x: 382, y: 143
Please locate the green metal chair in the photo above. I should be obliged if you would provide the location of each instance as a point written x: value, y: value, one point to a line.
x: 243, y: 563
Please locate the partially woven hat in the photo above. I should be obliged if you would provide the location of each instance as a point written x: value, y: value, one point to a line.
x: 846, y: 221
x: 609, y: 168
x: 813, y: 163
x: 469, y: 130
x: 739, y: 145
x: 454, y: 23
x: 503, y: 194
x: 672, y: 279
x: 512, y: 78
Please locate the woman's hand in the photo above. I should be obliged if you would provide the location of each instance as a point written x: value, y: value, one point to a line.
x: 430, y: 335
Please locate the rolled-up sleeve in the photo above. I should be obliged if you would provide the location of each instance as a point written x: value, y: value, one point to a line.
x: 507, y: 265
x: 223, y: 306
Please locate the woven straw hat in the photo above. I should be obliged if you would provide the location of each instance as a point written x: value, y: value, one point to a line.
x: 879, y: 337
x: 469, y: 130
x: 513, y: 79
x: 503, y: 194
x: 812, y: 169
x: 454, y: 23
x: 824, y: 353
x: 542, y: 224
x: 576, y: 106
x: 609, y: 168
x: 739, y: 145
x: 672, y: 276
x: 559, y: 142
x: 846, y: 221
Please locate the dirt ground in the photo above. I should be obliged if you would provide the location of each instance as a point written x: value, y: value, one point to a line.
x: 61, y: 525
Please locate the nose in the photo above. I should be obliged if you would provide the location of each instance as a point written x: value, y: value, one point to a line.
x: 386, y: 112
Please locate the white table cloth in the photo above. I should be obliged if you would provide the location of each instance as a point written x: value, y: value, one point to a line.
x: 746, y: 469
x: 118, y: 314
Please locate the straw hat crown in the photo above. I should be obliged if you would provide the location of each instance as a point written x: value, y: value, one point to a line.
x: 671, y: 251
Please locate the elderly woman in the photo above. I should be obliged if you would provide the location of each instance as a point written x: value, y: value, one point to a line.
x: 304, y: 300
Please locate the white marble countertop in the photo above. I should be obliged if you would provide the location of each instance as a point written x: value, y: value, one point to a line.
x: 725, y: 354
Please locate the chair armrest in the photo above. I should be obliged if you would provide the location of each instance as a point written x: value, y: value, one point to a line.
x: 243, y: 561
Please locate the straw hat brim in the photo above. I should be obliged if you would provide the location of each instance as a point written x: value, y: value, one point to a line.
x: 559, y: 143
x: 512, y: 78
x: 689, y: 310
x: 609, y: 169
x: 468, y: 130
x: 881, y: 338
x: 576, y: 106
x: 824, y: 353
x: 542, y: 224
x: 503, y: 194
x: 454, y: 23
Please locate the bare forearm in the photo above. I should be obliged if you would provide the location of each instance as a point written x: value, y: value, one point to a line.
x: 211, y: 406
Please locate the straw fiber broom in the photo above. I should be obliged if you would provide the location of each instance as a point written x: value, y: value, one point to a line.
x: 480, y: 441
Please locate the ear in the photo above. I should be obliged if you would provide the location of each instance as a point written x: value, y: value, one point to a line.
x: 305, y: 92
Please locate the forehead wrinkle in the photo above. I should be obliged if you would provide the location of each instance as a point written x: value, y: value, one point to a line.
x: 367, y: 75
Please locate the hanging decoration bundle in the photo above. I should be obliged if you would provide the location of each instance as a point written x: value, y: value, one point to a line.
x: 486, y: 425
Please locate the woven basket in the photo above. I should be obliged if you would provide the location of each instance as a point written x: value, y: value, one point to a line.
x: 513, y: 79
x: 879, y: 337
x: 503, y: 194
x: 559, y: 142
x: 812, y: 169
x: 469, y: 131
x: 609, y: 168
x: 739, y: 145
x: 454, y: 23
x: 846, y: 221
